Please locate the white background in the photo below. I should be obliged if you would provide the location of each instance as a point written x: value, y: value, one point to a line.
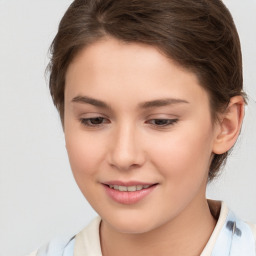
x: 38, y: 196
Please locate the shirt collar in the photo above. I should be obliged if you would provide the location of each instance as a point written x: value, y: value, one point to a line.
x: 231, y: 236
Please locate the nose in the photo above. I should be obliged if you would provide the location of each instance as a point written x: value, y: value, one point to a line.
x: 126, y: 149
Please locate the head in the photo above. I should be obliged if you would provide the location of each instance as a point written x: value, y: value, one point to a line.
x: 112, y: 60
x: 199, y: 36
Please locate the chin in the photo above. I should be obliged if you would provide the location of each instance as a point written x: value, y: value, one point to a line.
x: 131, y: 228
x: 132, y: 223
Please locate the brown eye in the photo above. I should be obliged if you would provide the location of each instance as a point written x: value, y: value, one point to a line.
x: 96, y: 120
x: 93, y: 122
x: 162, y: 122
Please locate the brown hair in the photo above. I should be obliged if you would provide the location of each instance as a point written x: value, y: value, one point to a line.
x: 199, y: 35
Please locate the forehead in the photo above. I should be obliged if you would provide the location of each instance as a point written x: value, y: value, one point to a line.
x: 109, y: 52
x: 110, y: 67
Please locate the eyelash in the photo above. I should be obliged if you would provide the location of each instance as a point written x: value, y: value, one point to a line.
x: 88, y: 121
x: 168, y: 122
x: 153, y: 122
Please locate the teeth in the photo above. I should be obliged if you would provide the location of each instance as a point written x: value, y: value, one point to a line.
x: 129, y: 188
x: 122, y: 188
x: 132, y: 188
x: 139, y: 187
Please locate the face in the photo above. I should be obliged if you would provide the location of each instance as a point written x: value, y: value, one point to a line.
x: 138, y: 134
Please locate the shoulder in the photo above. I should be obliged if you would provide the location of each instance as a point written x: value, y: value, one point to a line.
x: 86, y: 242
x: 243, y: 234
x: 231, y: 236
x: 253, y: 229
x: 56, y: 247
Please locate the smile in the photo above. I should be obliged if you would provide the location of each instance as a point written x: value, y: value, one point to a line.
x: 128, y: 193
x: 129, y: 188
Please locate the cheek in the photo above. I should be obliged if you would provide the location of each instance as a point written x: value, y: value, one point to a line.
x: 84, y: 157
x: 84, y: 153
x: 184, y: 154
x: 183, y: 162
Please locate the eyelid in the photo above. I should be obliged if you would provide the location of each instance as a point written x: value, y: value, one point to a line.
x: 86, y: 120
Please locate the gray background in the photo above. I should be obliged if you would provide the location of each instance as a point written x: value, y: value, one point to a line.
x: 38, y: 196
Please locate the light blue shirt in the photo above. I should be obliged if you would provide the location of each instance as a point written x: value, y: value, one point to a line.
x: 235, y: 239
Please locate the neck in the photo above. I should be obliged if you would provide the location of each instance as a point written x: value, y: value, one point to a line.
x: 186, y: 235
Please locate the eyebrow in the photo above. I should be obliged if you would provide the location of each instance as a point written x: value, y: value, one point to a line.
x: 91, y: 101
x: 162, y: 103
x: 144, y: 105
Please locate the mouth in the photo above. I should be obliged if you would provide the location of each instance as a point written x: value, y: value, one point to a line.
x: 128, y: 193
x: 129, y: 188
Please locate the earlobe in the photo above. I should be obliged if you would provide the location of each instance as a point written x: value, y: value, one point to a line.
x: 229, y: 126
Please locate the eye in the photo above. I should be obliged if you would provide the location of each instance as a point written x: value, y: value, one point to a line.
x: 94, y: 121
x: 162, y: 122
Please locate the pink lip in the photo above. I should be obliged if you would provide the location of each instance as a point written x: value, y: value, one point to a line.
x: 126, y: 197
x: 127, y: 184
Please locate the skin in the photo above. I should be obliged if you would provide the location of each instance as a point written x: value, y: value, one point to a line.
x: 169, y: 145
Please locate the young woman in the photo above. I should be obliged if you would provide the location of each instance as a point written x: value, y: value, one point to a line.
x: 150, y: 95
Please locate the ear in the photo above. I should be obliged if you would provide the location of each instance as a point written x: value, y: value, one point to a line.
x: 229, y: 125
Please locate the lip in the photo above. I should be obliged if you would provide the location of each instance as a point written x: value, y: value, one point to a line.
x: 128, y: 197
x: 127, y: 183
